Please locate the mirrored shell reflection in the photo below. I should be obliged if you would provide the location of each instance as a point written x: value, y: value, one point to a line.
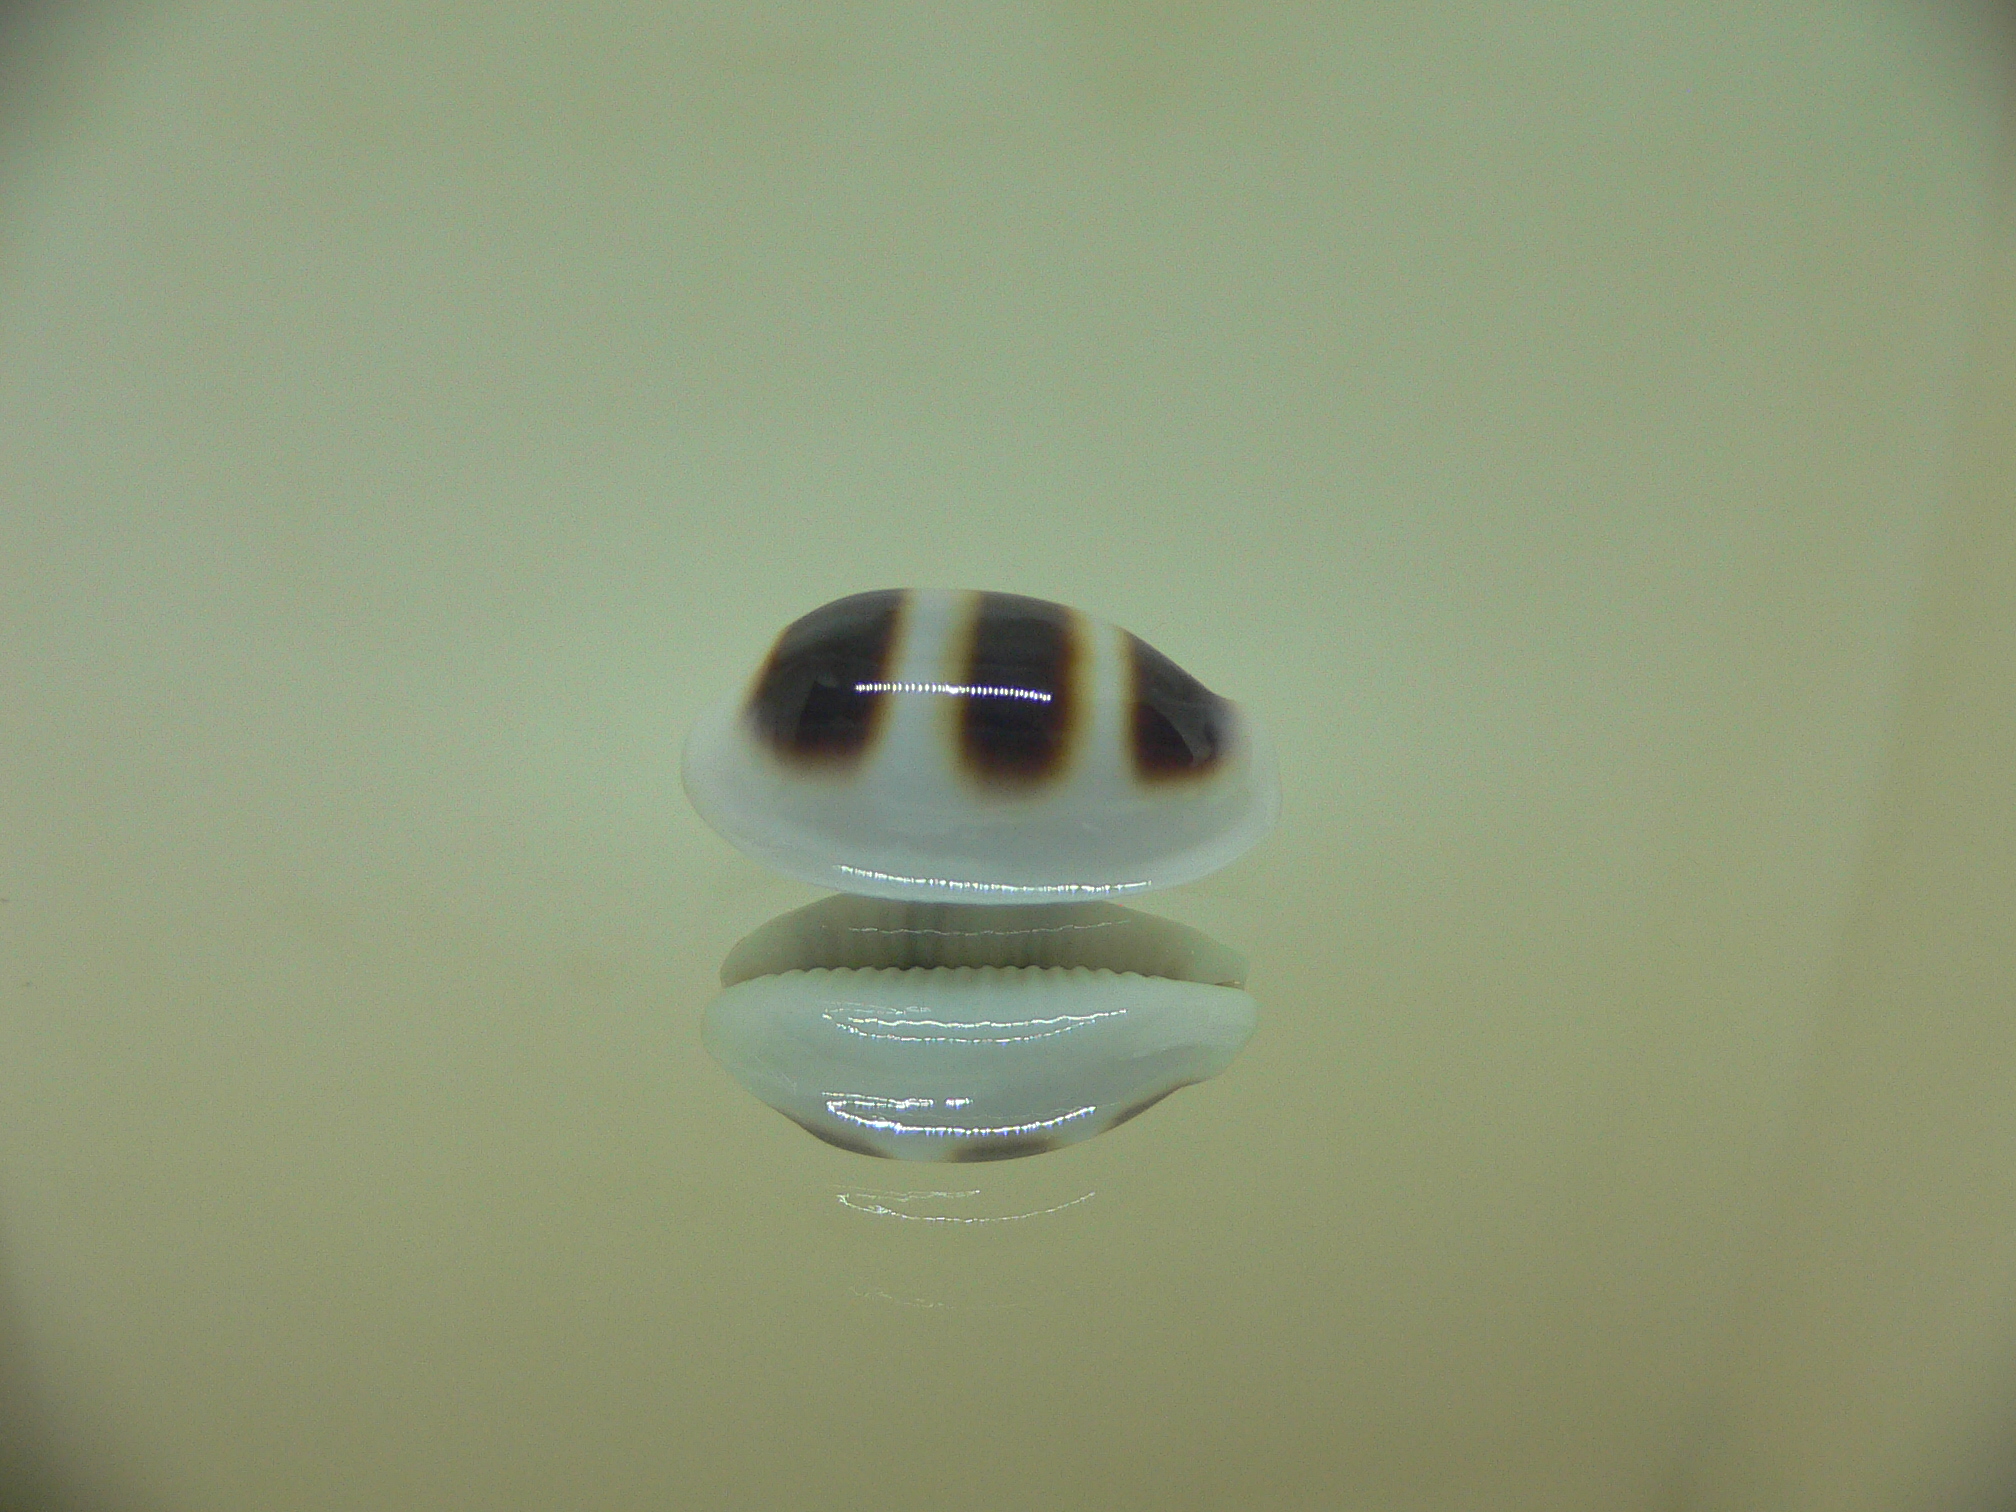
x: 928, y: 1032
x: 978, y: 747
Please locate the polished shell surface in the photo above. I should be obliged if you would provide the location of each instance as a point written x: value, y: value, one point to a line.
x: 937, y: 1031
x: 971, y: 1063
x: 979, y: 747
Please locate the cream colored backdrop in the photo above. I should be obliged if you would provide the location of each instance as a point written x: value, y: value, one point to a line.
x: 1549, y: 418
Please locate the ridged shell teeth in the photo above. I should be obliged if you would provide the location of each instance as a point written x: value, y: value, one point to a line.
x: 845, y: 931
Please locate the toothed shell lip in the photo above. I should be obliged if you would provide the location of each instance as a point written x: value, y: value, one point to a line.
x: 856, y: 932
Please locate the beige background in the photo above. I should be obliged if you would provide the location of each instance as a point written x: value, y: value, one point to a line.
x: 1580, y: 431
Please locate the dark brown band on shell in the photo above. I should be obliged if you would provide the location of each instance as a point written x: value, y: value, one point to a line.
x: 1180, y: 727
x: 1018, y: 707
x: 822, y: 694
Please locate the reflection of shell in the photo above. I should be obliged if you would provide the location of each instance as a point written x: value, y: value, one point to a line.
x: 952, y: 1210
x: 971, y: 1063
x: 978, y: 747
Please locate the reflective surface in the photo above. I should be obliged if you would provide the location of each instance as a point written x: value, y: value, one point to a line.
x: 1552, y: 421
x: 971, y: 1063
x: 969, y: 1033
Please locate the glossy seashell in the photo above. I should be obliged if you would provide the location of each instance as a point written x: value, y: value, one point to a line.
x: 978, y: 748
x: 977, y: 1060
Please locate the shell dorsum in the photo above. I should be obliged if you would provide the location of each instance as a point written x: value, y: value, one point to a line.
x: 978, y: 747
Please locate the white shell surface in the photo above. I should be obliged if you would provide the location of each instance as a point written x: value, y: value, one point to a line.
x: 971, y: 1063
x: 908, y: 820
